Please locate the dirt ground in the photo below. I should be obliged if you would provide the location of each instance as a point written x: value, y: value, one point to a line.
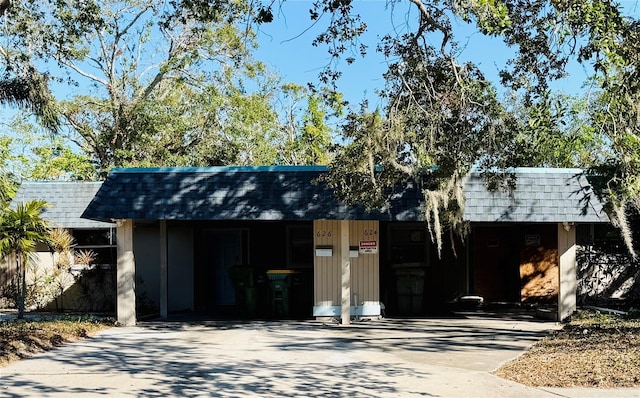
x: 593, y: 350
x: 23, y: 338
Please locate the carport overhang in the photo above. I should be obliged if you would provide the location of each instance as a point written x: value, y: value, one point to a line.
x: 255, y: 194
x: 126, y: 297
x: 482, y: 206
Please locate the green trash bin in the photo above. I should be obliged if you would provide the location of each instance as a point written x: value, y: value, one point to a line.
x: 243, y: 279
x: 280, y: 281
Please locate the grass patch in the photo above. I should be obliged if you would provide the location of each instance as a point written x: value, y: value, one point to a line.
x: 593, y: 350
x: 22, y: 338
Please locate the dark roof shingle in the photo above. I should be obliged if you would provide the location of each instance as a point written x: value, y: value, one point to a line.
x: 296, y: 193
x: 238, y: 193
x: 541, y: 195
x: 68, y: 201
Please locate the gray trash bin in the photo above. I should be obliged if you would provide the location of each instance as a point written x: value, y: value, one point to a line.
x: 410, y: 286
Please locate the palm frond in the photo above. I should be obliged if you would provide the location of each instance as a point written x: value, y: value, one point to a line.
x: 61, y: 240
x: 32, y: 93
x: 21, y: 228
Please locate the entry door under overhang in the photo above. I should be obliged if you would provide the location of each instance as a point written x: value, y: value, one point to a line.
x: 224, y: 248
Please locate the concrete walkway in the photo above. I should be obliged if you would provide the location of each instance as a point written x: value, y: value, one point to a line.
x: 388, y: 358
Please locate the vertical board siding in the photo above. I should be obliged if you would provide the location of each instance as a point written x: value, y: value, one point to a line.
x: 327, y: 270
x: 365, y: 280
x: 365, y: 269
x: 7, y: 275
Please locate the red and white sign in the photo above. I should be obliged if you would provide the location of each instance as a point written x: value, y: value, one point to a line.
x: 368, y: 246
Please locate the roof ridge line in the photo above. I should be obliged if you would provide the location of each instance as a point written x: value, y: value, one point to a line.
x: 235, y: 169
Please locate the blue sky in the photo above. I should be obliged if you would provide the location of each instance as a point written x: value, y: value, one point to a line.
x: 285, y: 45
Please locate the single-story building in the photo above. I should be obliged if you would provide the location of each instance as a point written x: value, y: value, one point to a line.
x: 275, y: 241
x: 67, y: 201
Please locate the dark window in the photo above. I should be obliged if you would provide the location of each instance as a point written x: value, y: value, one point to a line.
x: 602, y: 236
x: 94, y: 237
x: 300, y: 246
x: 102, y: 242
x: 408, y: 245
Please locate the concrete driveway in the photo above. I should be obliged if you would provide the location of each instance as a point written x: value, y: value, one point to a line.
x: 448, y: 357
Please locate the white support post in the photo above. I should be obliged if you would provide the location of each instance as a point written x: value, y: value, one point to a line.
x: 126, y: 274
x: 567, y: 269
x: 345, y: 262
x: 164, y: 268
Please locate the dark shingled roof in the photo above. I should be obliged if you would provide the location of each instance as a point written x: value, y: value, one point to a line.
x: 67, y: 199
x: 541, y: 195
x: 294, y: 193
x: 233, y: 193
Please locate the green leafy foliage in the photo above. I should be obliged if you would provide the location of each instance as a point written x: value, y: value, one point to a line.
x: 160, y: 83
x: 8, y: 185
x: 440, y: 116
x: 30, y: 91
x: 32, y: 153
x: 441, y: 119
x: 555, y: 131
x: 305, y: 122
x: 135, y: 60
x: 173, y: 83
x: 20, y: 230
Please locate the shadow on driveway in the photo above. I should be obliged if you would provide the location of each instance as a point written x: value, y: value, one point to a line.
x: 387, y: 358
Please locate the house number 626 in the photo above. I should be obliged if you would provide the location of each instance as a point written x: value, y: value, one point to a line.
x: 323, y: 233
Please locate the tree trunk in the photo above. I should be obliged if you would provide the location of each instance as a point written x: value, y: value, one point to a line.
x: 22, y: 288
